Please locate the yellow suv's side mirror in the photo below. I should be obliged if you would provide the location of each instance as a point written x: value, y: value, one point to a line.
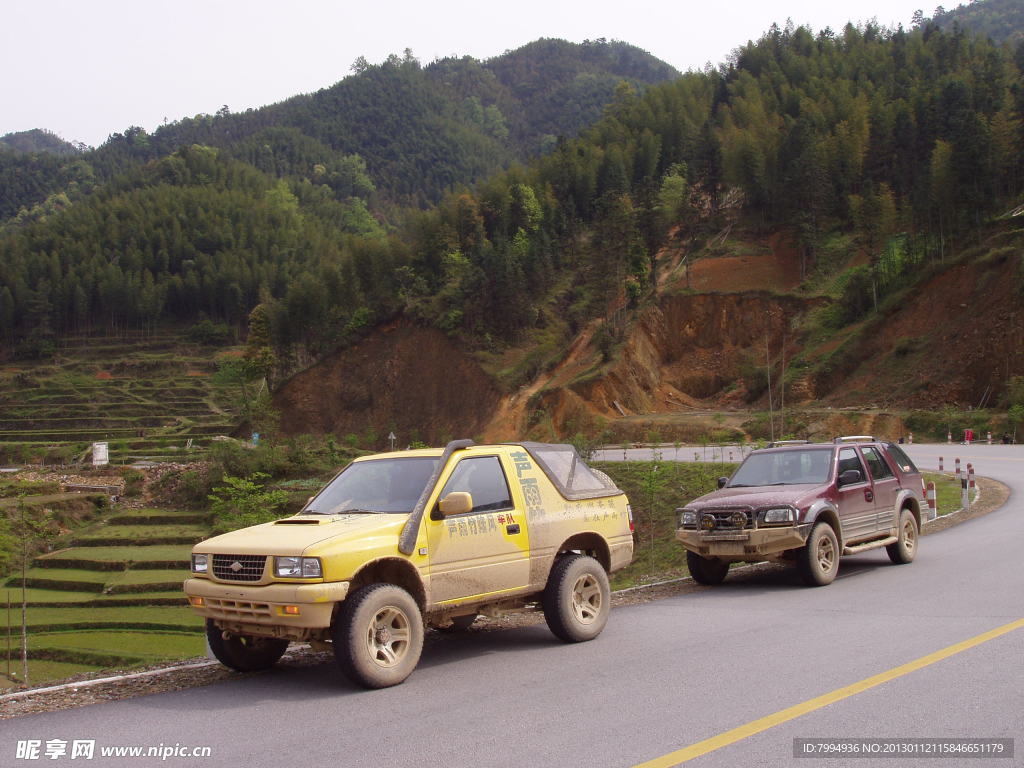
x: 456, y: 503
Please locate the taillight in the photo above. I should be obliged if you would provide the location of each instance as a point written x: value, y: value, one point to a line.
x: 629, y: 513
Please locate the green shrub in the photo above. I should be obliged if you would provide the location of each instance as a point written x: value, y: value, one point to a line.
x: 208, y: 332
x: 241, y: 502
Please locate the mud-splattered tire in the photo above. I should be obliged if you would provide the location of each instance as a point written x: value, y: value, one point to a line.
x: 706, y: 570
x: 818, y: 560
x: 577, y: 599
x: 905, y: 548
x: 378, y: 636
x: 244, y: 653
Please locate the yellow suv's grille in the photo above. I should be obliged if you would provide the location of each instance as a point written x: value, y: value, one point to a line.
x: 239, y: 567
x: 238, y: 610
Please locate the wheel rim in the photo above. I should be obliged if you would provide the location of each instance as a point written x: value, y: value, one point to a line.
x: 587, y: 599
x: 909, y: 536
x: 387, y: 637
x: 826, y: 553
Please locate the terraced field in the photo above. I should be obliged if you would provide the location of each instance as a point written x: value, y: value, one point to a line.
x: 111, y: 599
x: 149, y: 397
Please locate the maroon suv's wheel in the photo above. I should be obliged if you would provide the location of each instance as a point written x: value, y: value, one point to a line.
x: 818, y: 560
x: 905, y: 548
x: 706, y: 570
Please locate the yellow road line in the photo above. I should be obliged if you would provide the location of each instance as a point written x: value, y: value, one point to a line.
x: 782, y: 716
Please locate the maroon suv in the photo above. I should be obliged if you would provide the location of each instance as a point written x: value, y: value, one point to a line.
x: 808, y: 503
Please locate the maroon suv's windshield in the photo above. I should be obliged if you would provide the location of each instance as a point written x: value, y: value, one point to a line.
x: 788, y: 467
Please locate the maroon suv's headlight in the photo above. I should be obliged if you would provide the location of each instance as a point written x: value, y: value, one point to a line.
x: 779, y: 515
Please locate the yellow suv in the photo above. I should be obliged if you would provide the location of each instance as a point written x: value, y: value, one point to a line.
x: 399, y: 541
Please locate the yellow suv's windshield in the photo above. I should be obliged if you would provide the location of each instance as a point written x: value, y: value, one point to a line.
x: 375, y: 486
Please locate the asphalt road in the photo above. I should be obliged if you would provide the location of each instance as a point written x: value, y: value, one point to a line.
x: 743, y: 664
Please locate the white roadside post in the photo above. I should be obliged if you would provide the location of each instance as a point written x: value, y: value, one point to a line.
x: 931, y: 497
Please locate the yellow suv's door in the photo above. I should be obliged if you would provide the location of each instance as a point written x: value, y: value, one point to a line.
x: 485, y: 550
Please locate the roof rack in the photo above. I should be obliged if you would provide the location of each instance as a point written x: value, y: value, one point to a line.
x: 776, y: 443
x: 856, y: 439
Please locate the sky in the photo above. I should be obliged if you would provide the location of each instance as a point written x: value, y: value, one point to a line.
x: 85, y: 69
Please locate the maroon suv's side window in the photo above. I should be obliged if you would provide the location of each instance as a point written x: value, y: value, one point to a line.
x: 902, y: 460
x: 879, y: 469
x: 848, y: 459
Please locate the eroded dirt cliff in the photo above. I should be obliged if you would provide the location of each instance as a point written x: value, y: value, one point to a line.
x: 405, y: 377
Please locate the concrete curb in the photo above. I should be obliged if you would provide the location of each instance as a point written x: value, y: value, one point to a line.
x: 103, y: 680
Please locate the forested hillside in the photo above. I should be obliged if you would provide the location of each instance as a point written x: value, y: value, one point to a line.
x: 903, y: 142
x: 419, y: 129
x: 38, y: 140
x: 1000, y: 20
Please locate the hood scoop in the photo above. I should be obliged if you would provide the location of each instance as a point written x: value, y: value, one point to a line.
x: 300, y: 521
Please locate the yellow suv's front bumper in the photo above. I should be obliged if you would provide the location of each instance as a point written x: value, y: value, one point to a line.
x: 287, y: 605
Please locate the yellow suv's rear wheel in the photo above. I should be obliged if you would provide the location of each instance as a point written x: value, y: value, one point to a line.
x: 577, y: 598
x: 378, y: 636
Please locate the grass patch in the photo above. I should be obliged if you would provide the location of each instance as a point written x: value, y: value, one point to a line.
x: 947, y: 492
x: 149, y: 645
x: 13, y: 593
x: 170, y: 615
x: 129, y: 533
x: 44, y: 670
x: 151, y: 576
x: 73, y: 575
x: 178, y: 553
x: 655, y: 491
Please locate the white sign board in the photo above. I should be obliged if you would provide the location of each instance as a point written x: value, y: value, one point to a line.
x: 100, y: 454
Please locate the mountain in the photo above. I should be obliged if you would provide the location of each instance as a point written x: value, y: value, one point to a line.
x: 37, y: 140
x: 866, y: 162
x: 419, y: 130
x: 1000, y: 20
x: 423, y: 129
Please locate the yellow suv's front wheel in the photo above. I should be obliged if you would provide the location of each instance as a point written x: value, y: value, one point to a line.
x: 244, y: 653
x: 378, y: 636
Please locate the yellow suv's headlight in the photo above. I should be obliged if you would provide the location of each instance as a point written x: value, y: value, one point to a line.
x: 298, y: 568
x: 200, y: 563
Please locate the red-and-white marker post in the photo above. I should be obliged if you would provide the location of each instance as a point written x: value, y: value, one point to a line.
x: 931, y: 498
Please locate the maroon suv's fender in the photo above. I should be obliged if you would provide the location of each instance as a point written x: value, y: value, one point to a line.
x: 823, y: 509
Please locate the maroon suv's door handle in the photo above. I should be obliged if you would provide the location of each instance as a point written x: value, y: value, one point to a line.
x: 868, y: 495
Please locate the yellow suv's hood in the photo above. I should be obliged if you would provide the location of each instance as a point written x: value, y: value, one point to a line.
x: 295, y: 535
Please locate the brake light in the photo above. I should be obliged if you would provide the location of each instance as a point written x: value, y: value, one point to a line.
x: 629, y: 513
